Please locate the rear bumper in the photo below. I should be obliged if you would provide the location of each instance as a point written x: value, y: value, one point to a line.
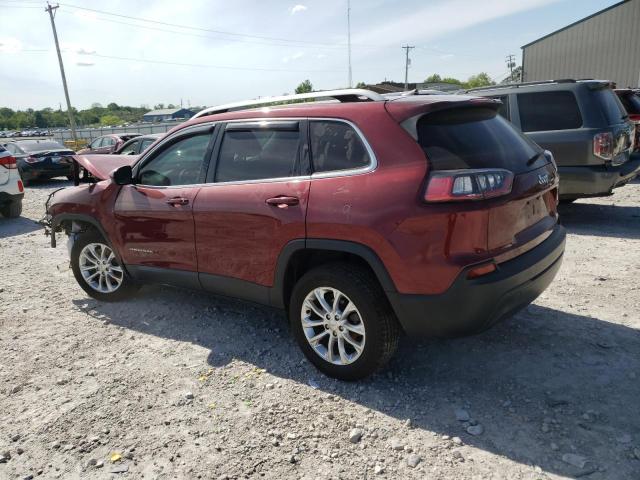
x: 30, y: 171
x: 590, y: 181
x: 471, y: 306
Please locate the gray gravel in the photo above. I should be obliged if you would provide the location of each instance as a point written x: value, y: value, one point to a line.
x: 180, y: 384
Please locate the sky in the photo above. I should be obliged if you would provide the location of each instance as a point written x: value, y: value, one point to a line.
x: 208, y: 52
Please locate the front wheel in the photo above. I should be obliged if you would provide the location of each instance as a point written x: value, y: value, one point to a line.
x: 97, y: 269
x: 342, y: 321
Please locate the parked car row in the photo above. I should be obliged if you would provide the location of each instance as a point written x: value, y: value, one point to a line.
x: 25, y: 133
x: 584, y: 125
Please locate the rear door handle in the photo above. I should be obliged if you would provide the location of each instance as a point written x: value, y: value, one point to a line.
x: 178, y: 201
x: 283, y: 201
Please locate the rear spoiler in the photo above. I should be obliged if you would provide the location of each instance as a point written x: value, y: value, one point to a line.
x: 408, y: 117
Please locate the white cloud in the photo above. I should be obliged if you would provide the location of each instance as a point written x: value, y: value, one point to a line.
x: 447, y: 56
x: 443, y: 17
x: 10, y: 45
x: 295, y: 56
x: 85, y: 64
x: 297, y: 9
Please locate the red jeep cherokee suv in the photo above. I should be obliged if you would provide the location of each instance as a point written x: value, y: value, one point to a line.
x: 363, y: 218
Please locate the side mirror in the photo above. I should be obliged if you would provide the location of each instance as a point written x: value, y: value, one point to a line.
x: 122, y: 175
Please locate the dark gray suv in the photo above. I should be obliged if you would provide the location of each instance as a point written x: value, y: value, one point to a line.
x: 582, y: 123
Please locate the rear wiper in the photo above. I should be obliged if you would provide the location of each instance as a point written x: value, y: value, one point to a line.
x: 534, y: 158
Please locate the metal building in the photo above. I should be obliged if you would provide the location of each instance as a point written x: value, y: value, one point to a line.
x: 605, y: 45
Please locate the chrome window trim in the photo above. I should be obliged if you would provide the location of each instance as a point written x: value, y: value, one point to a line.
x: 373, y: 161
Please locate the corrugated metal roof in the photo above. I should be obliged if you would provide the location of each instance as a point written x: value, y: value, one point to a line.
x: 164, y: 111
x: 576, y: 23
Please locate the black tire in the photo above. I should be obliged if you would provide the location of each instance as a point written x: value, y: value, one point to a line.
x: 70, y: 178
x: 126, y: 289
x: 381, y: 326
x: 12, y: 209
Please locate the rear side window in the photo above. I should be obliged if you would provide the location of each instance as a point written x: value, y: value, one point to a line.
x: 107, y: 141
x: 336, y: 146
x: 258, y: 153
x: 543, y: 111
x: 462, y: 138
x: 612, y: 109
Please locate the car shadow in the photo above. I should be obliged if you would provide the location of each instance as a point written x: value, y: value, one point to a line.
x: 58, y: 182
x: 11, y: 227
x: 604, y: 220
x: 542, y: 384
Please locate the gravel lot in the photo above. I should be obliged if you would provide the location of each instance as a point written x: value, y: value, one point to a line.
x: 180, y: 384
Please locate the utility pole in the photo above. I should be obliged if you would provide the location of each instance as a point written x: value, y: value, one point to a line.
x: 511, y: 62
x: 51, y: 10
x: 407, y: 61
x: 349, y: 39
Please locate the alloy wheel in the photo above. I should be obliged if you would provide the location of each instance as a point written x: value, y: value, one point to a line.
x: 100, y: 269
x: 333, y: 326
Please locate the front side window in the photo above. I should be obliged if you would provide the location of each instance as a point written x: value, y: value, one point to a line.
x: 108, y: 141
x: 543, y: 111
x: 179, y: 164
x: 336, y: 146
x: 96, y: 143
x: 258, y: 153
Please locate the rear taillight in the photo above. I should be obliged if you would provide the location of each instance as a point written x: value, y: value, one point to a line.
x: 31, y: 159
x: 603, y: 145
x: 460, y: 185
x: 8, y: 162
x: 20, y: 186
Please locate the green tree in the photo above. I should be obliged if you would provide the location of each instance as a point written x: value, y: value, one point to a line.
x: 305, y: 87
x: 113, y: 106
x: 107, y: 120
x: 480, y: 80
x: 435, y: 78
x: 159, y: 106
x: 361, y: 85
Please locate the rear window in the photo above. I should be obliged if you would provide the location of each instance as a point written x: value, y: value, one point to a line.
x: 612, y: 109
x: 542, y: 111
x: 631, y: 103
x: 38, y: 146
x: 474, y: 138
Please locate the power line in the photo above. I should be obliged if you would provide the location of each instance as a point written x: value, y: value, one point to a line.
x: 200, y: 35
x: 189, y: 27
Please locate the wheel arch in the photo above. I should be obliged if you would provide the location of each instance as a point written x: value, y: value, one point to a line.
x: 70, y: 218
x: 299, y: 256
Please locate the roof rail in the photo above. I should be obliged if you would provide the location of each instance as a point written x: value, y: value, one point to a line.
x: 344, y: 95
x: 521, y: 84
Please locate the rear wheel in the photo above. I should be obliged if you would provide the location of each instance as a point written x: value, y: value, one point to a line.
x: 12, y: 209
x: 343, y: 322
x: 97, y: 269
